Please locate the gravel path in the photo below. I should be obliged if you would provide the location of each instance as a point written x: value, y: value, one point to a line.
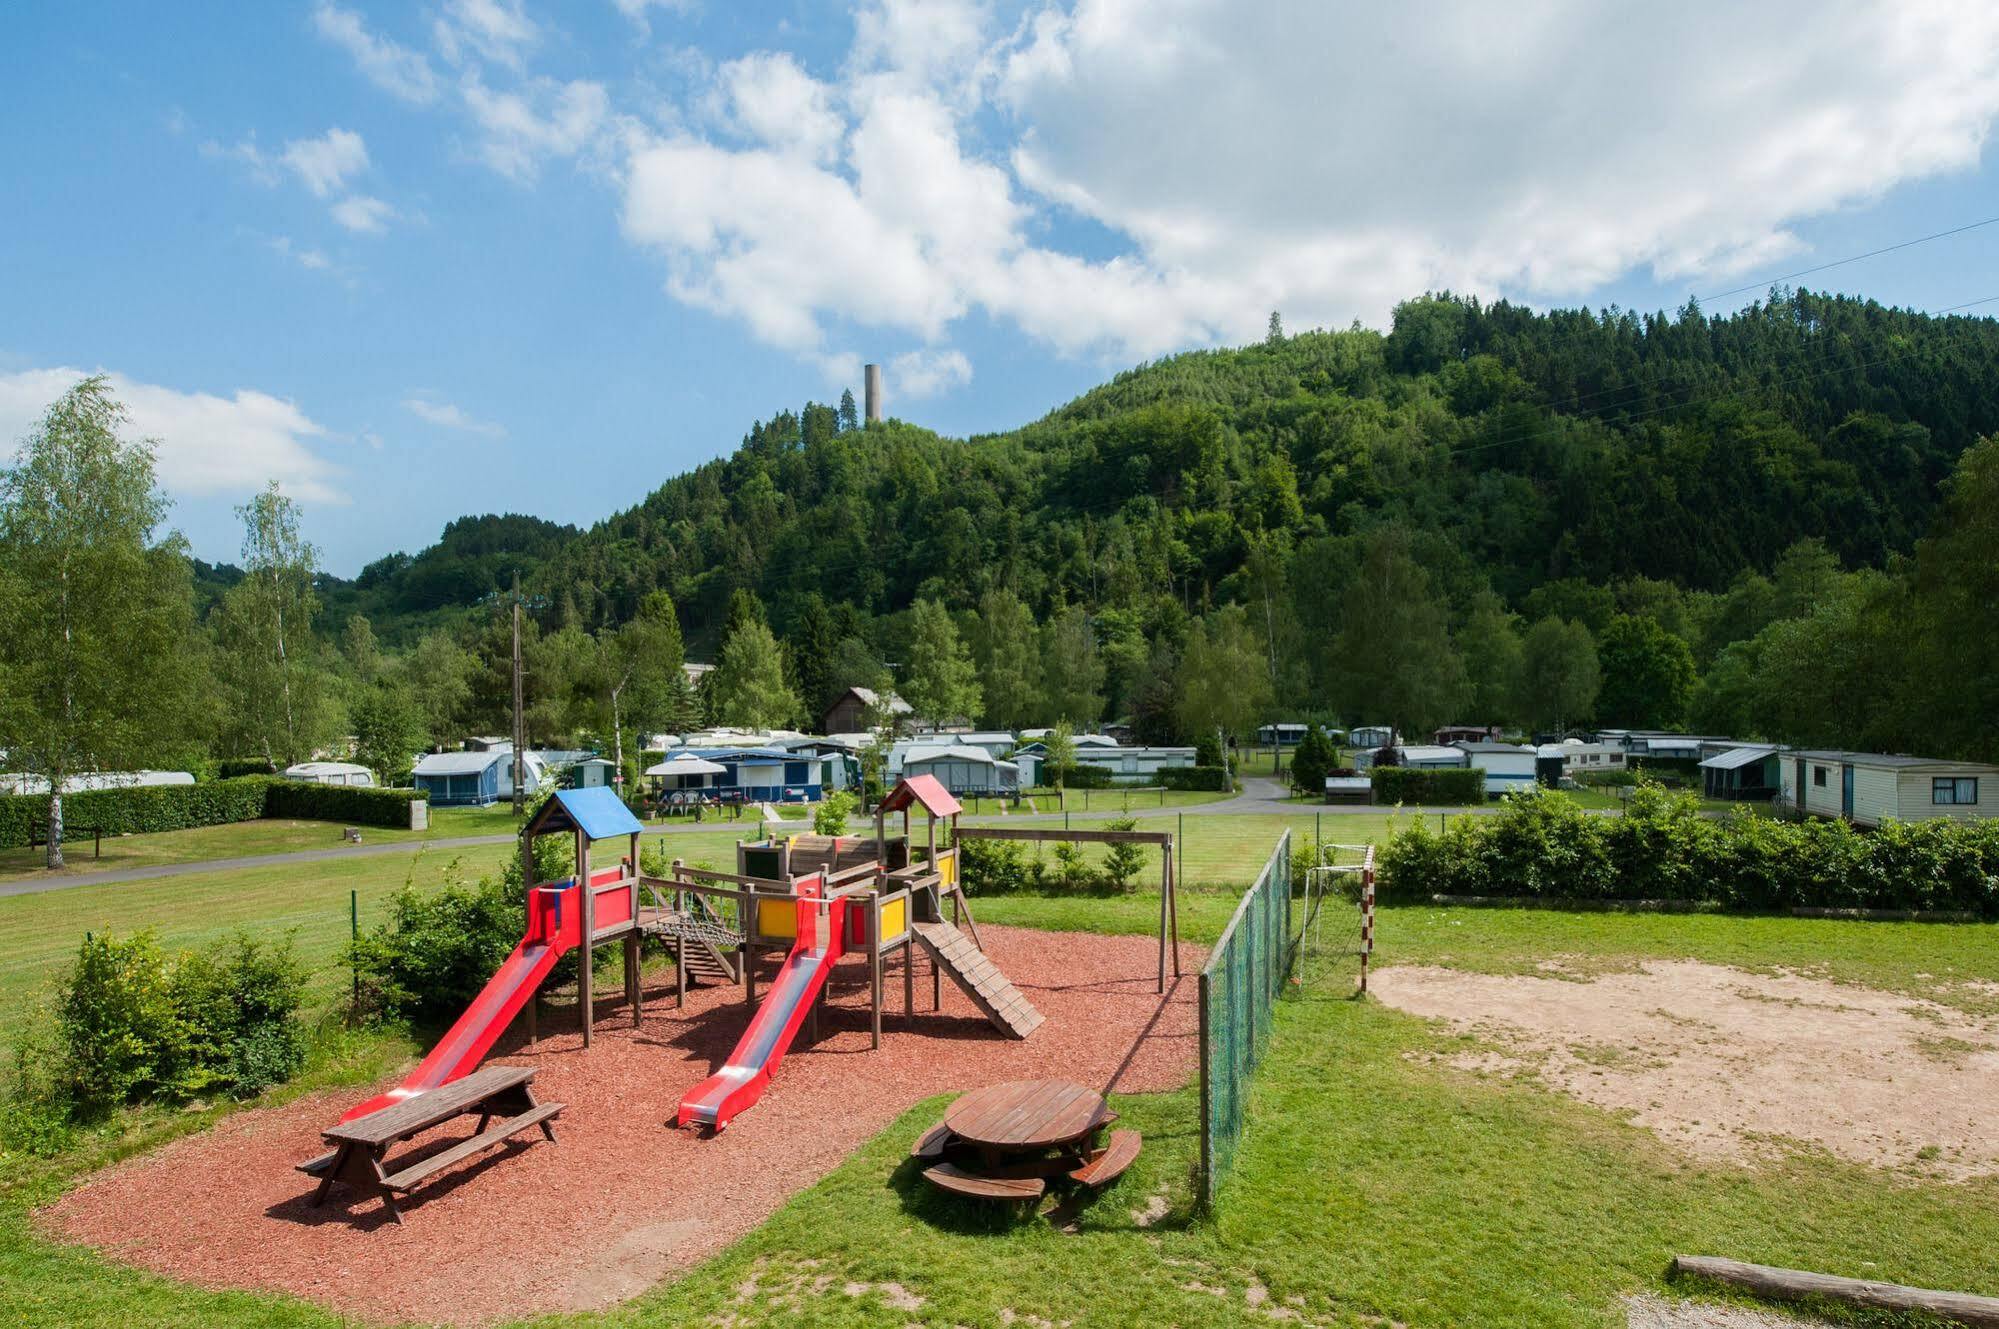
x: 622, y: 1200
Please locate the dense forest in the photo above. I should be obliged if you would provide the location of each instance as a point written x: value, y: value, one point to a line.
x: 1777, y: 523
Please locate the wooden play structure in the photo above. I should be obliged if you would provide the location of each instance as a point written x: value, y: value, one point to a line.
x: 1169, y: 903
x: 814, y: 899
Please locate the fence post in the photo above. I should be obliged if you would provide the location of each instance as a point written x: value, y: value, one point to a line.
x: 1207, y: 1196
x: 354, y: 935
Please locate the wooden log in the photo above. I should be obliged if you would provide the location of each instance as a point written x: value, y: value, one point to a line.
x: 1798, y: 1285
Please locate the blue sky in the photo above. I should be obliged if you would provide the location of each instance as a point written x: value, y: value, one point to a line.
x: 416, y: 261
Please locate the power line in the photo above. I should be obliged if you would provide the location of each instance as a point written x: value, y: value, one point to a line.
x: 1842, y: 262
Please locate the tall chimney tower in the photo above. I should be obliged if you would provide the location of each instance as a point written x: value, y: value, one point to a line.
x: 873, y: 374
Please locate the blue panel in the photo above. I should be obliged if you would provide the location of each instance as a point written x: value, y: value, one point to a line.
x: 598, y: 813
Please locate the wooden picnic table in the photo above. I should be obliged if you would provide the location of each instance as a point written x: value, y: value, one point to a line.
x: 360, y: 1146
x: 1024, y: 1133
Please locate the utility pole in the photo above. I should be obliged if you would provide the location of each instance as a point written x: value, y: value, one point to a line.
x: 520, y: 725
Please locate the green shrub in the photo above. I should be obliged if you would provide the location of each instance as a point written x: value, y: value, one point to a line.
x: 1214, y: 779
x: 436, y: 949
x: 132, y: 1023
x: 237, y: 766
x: 1540, y: 845
x: 147, y: 809
x: 995, y: 867
x: 830, y: 817
x: 1079, y: 775
x: 356, y: 806
x: 1457, y: 786
x: 1123, y: 861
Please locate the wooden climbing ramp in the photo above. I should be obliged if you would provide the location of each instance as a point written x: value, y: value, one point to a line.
x: 979, y: 978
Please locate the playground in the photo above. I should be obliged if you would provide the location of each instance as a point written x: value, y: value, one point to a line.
x: 622, y: 1201
x: 1474, y: 1144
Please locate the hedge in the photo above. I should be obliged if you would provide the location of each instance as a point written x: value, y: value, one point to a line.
x: 144, y: 809
x: 1082, y: 775
x: 1207, y: 779
x: 1451, y: 786
x: 1542, y: 846
x: 355, y: 805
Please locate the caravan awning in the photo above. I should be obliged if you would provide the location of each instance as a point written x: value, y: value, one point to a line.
x: 1736, y: 758
x: 688, y: 765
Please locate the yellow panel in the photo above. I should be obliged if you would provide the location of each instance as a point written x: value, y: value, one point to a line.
x: 895, y: 917
x: 777, y: 918
x: 947, y: 868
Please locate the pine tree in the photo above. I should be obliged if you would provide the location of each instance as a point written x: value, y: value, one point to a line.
x: 849, y: 414
x: 939, y: 682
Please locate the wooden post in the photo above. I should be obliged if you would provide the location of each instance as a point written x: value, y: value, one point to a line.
x: 589, y: 923
x: 527, y: 875
x: 1165, y: 890
x: 875, y: 967
x: 1173, y: 902
x: 634, y: 947
x: 908, y: 982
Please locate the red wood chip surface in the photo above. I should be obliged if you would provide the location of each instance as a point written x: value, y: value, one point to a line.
x: 623, y: 1201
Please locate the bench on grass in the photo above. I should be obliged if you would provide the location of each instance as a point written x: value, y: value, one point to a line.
x: 1106, y: 1165
x: 360, y: 1146
x: 930, y: 1145
x: 1014, y: 1190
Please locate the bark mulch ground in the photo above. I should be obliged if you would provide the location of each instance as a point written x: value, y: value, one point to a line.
x: 622, y: 1200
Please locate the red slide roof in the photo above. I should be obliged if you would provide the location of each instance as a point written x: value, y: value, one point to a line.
x: 924, y: 789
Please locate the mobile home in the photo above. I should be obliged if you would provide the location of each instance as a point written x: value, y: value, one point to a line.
x: 1868, y: 788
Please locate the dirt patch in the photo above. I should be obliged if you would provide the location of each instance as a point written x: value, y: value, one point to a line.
x: 623, y: 1201
x: 1649, y: 1312
x: 1726, y: 1062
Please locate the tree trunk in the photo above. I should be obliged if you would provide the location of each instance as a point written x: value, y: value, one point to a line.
x: 55, y: 820
x: 617, y: 743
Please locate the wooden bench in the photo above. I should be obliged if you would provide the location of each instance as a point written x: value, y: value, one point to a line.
x: 931, y: 1145
x: 1016, y: 1190
x: 360, y: 1146
x: 1106, y: 1165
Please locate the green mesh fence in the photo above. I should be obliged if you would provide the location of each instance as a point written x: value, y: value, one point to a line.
x: 1244, y: 974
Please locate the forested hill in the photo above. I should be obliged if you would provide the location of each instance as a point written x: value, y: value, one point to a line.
x: 1569, y: 464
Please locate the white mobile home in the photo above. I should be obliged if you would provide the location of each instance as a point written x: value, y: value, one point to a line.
x: 1507, y: 768
x: 1868, y: 788
x: 1425, y: 755
x: 962, y: 769
x: 330, y: 772
x: 1136, y: 765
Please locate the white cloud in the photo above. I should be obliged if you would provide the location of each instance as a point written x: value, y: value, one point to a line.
x: 396, y: 69
x: 637, y: 10
x: 1323, y: 160
x: 359, y: 212
x: 546, y: 119
x: 305, y: 256
x: 324, y: 164
x: 781, y: 106
x: 1343, y: 156
x: 496, y: 30
x: 207, y: 444
x: 917, y: 374
x: 446, y: 415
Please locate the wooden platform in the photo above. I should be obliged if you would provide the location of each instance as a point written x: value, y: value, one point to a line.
x: 979, y: 978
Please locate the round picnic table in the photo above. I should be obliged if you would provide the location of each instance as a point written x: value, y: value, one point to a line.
x: 1027, y: 1117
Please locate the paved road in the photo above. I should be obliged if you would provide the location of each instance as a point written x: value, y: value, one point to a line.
x: 1260, y: 796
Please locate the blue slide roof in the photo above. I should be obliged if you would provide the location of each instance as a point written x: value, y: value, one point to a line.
x: 598, y: 813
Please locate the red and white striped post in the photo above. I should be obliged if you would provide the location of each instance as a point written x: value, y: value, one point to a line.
x: 1366, y: 915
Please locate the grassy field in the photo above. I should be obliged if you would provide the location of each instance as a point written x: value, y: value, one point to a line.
x: 1375, y: 1183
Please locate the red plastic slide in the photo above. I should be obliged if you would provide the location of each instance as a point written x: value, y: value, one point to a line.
x: 742, y: 1080
x: 554, y: 925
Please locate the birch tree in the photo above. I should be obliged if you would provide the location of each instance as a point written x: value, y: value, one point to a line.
x: 266, y: 631
x: 94, y: 600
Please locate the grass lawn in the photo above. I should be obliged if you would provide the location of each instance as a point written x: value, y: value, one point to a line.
x: 1374, y: 1183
